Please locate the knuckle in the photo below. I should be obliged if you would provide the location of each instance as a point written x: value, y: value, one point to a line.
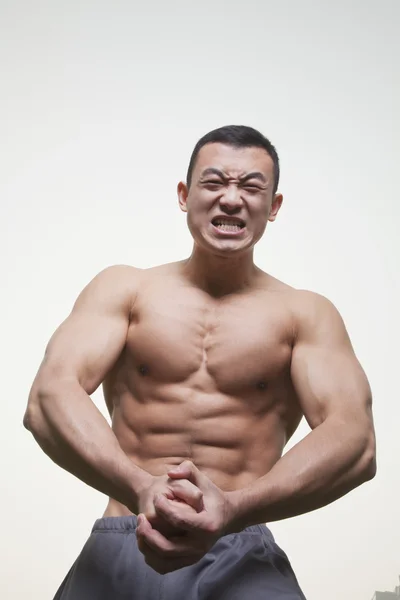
x: 176, y: 521
x: 179, y: 520
x: 150, y: 512
x: 210, y: 527
x: 178, y: 484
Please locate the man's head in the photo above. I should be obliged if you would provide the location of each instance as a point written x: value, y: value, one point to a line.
x: 230, y: 190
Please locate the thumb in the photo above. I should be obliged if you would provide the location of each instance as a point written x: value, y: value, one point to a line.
x: 186, y: 470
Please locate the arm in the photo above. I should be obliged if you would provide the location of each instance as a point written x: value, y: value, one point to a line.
x: 60, y: 414
x: 334, y: 394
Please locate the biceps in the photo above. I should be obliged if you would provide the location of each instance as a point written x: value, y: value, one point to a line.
x: 84, y: 348
x: 329, y: 381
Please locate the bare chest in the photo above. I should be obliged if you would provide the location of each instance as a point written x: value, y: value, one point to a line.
x: 221, y: 346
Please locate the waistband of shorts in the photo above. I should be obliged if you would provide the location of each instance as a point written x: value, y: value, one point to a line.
x: 128, y: 523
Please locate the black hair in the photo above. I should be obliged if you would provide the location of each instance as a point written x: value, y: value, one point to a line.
x: 238, y: 136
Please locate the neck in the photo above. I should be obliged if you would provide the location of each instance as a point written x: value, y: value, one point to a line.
x: 219, y: 275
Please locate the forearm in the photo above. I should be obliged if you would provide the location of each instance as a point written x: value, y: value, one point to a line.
x: 325, y: 465
x: 75, y: 435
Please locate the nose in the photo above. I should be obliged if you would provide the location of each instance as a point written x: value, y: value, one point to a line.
x: 231, y: 200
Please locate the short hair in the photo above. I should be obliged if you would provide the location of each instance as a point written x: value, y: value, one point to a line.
x: 238, y: 136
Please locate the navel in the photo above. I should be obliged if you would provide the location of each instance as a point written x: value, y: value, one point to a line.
x: 262, y: 385
x: 143, y: 370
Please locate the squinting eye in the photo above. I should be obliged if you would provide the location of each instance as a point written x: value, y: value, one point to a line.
x: 252, y: 188
x: 213, y: 183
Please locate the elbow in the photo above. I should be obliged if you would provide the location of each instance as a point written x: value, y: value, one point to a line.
x: 26, y: 421
x: 370, y: 468
x: 43, y: 395
x: 31, y: 416
x: 368, y: 465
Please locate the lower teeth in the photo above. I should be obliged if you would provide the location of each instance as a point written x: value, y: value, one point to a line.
x: 229, y: 227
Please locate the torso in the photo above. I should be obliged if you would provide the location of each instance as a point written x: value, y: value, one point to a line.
x: 205, y: 379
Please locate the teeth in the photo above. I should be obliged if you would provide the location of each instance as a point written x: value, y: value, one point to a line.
x: 228, y: 225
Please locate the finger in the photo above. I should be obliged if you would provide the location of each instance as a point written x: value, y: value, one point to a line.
x: 177, y: 514
x: 174, y: 546
x: 142, y: 525
x: 184, y: 470
x: 187, y: 491
x: 141, y: 544
x: 167, y: 548
x: 187, y: 470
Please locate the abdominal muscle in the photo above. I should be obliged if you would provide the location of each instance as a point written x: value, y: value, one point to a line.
x: 232, y: 440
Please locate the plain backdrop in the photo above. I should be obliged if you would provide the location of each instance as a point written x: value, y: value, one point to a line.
x: 101, y: 105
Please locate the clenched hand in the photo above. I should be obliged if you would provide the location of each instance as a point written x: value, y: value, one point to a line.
x: 193, y: 529
x: 178, y: 492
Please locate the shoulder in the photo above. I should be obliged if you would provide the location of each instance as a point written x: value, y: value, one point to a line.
x: 126, y: 282
x: 118, y: 276
x: 114, y: 285
x: 315, y: 315
x: 130, y: 277
x: 311, y: 313
x: 305, y: 305
x: 310, y: 304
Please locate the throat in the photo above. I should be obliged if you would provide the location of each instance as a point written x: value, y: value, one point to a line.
x: 220, y: 275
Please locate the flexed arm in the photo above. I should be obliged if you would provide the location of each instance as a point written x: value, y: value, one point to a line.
x: 60, y: 413
x: 335, y: 396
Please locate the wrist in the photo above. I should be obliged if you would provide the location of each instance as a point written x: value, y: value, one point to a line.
x: 136, y: 480
x: 236, y: 519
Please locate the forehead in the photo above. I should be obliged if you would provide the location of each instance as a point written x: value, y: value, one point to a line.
x: 234, y: 161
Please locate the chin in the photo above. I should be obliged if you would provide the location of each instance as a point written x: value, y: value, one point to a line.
x: 226, y: 249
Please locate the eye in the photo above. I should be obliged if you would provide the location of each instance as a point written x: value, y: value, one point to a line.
x: 251, y: 188
x: 213, y: 183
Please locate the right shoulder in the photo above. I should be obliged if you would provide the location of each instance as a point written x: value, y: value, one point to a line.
x: 121, y: 273
x: 116, y: 285
x: 126, y: 282
x: 118, y: 276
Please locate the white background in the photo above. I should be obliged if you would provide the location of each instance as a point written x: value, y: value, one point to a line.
x: 101, y: 105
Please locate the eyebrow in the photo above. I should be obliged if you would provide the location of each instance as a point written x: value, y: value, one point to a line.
x: 253, y: 175
x: 213, y: 171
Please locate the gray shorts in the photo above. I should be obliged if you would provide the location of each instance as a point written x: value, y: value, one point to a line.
x: 240, y: 566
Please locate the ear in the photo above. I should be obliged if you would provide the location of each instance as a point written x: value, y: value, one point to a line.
x: 182, y: 196
x: 276, y: 205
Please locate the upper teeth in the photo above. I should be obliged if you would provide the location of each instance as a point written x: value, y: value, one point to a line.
x: 222, y: 222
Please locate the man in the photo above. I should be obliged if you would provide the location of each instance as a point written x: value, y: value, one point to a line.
x: 208, y: 366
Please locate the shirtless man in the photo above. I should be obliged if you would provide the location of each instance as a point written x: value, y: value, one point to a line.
x: 208, y: 366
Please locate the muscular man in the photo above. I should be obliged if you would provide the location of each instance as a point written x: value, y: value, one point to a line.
x: 208, y: 366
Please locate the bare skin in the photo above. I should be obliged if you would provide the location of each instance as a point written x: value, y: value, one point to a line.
x: 207, y: 364
x: 209, y: 389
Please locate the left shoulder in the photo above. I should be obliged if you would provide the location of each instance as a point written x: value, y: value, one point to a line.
x: 315, y: 316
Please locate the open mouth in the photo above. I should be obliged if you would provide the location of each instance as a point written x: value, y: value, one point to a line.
x: 229, y: 225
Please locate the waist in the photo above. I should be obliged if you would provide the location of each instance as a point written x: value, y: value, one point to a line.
x: 128, y: 524
x: 228, y: 480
